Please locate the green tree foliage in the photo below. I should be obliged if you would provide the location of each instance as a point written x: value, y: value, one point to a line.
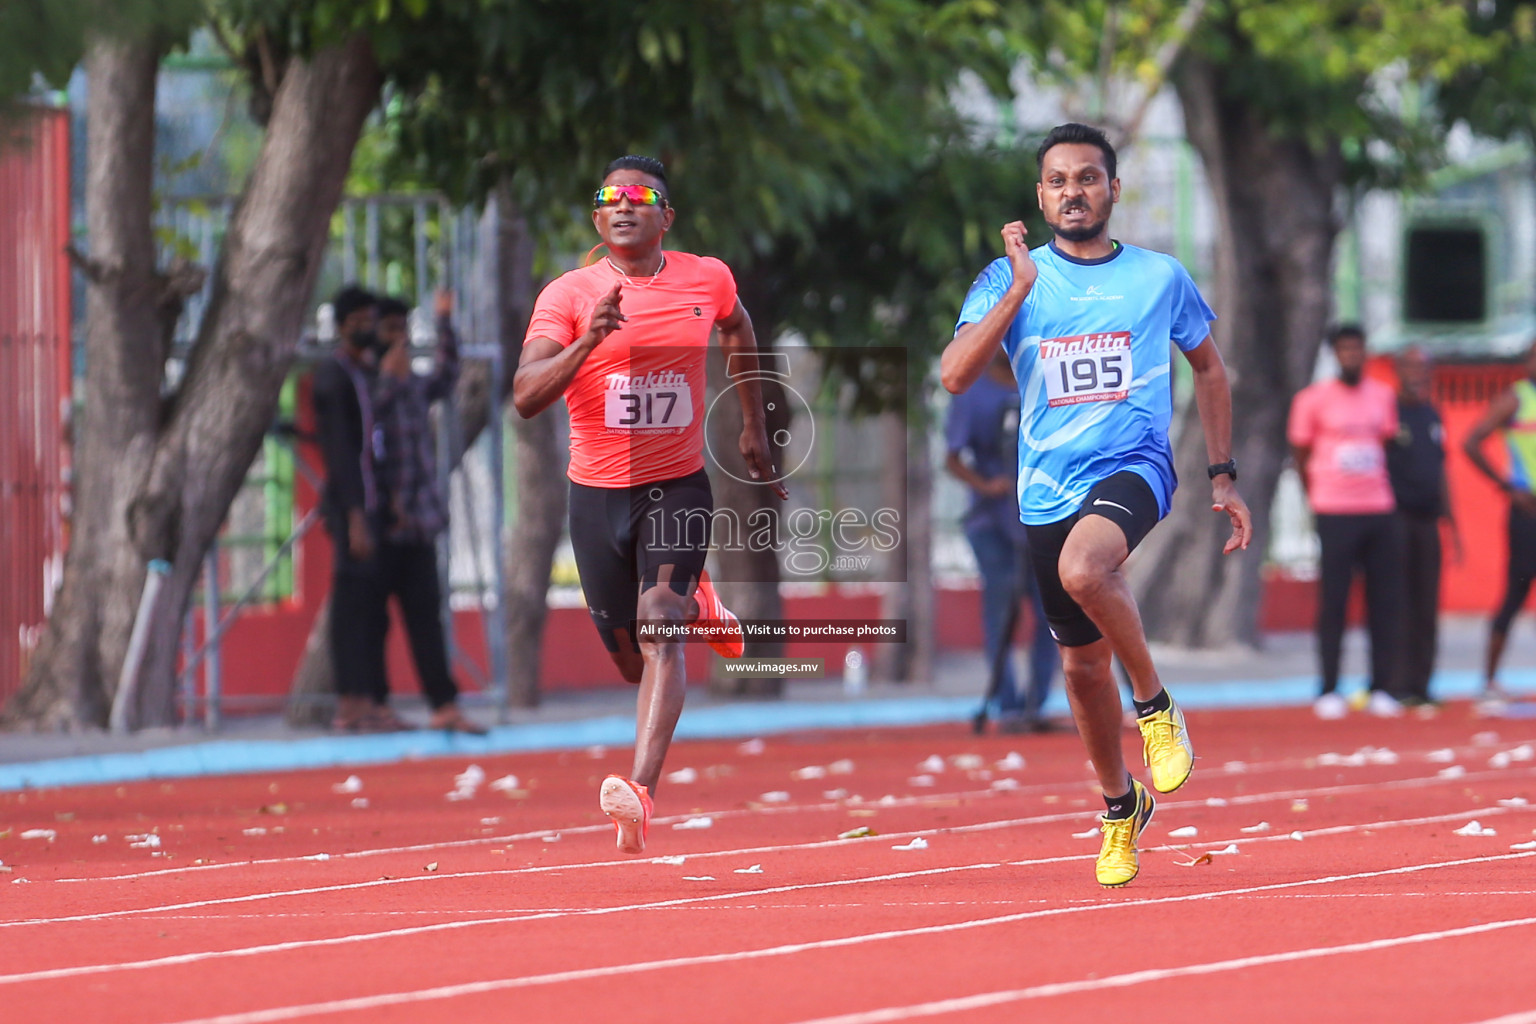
x: 1325, y: 71
x: 1498, y: 97
x: 44, y: 39
x: 813, y: 145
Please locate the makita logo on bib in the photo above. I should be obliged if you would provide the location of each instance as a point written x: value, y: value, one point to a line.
x: 1085, y: 344
x: 646, y: 381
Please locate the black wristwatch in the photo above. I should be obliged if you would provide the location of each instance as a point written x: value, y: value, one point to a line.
x: 1229, y: 467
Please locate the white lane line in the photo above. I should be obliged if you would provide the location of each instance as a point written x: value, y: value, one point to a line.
x: 283, y: 1013
x: 983, y: 826
x: 1527, y: 1017
x: 1066, y: 988
x: 346, y: 940
x: 943, y: 799
x: 342, y: 940
x: 1074, y: 785
x: 860, y: 906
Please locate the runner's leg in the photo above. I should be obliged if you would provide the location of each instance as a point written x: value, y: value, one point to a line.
x: 1090, y: 570
x: 1085, y: 659
x: 1115, y: 517
x: 663, y: 679
x: 600, y: 541
x: 1521, y: 570
x: 671, y: 523
x: 1095, y: 701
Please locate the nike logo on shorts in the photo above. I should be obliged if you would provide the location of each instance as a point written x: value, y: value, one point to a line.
x: 1116, y: 504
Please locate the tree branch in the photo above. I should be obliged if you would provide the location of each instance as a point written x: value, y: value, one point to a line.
x: 94, y: 270
x: 1167, y: 55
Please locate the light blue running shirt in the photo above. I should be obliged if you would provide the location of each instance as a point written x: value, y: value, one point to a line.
x: 1090, y: 351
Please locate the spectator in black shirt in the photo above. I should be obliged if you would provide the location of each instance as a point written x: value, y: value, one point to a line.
x: 416, y: 510
x: 1416, y: 465
x: 353, y: 501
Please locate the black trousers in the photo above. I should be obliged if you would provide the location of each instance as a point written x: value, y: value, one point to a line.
x: 1521, y: 568
x: 360, y: 593
x: 1374, y: 544
x: 1421, y: 601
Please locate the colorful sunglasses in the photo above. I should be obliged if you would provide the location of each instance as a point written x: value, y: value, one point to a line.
x: 640, y: 195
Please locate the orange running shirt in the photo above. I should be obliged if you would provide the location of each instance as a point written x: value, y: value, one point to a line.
x: 637, y: 403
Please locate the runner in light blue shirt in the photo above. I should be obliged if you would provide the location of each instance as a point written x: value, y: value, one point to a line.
x: 1087, y: 323
x: 1090, y: 348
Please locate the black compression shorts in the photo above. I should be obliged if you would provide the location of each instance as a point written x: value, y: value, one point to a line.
x: 1126, y: 500
x: 624, y: 538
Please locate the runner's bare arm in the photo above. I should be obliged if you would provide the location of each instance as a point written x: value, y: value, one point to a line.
x: 1500, y: 413
x: 547, y: 368
x: 1213, y: 399
x: 966, y: 357
x: 737, y: 338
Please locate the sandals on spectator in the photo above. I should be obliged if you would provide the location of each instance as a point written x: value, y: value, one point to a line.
x: 384, y: 719
x: 451, y: 719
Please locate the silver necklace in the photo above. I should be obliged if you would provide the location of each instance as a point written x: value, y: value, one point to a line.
x: 649, y: 279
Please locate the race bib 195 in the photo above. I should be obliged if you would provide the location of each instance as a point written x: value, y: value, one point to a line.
x: 654, y: 401
x: 1087, y: 368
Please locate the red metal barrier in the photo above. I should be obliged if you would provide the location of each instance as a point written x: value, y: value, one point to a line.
x: 35, y: 375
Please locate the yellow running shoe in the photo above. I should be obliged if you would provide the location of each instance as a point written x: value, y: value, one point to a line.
x: 1165, y: 747
x: 1117, y: 862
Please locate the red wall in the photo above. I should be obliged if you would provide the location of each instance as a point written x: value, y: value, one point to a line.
x: 35, y: 375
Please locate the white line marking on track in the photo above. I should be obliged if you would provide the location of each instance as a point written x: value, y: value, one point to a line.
x: 1526, y: 1017
x: 282, y: 1013
x: 342, y: 940
x: 821, y: 844
x: 280, y: 947
x: 820, y: 905
x: 911, y: 801
x: 1066, y: 988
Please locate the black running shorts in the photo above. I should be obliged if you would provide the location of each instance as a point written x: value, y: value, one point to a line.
x: 1127, y: 501
x: 622, y: 538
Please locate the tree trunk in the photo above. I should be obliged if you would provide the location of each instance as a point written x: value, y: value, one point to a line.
x: 74, y: 671
x: 530, y: 550
x: 909, y: 486
x: 1275, y: 200
x: 272, y: 256
x: 185, y: 474
x: 311, y: 696
x: 539, y: 515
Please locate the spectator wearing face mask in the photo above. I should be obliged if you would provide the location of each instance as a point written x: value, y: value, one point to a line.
x: 351, y: 440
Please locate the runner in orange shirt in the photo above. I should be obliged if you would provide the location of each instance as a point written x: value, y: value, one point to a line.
x: 624, y: 341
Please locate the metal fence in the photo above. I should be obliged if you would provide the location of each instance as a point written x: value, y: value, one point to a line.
x: 35, y: 373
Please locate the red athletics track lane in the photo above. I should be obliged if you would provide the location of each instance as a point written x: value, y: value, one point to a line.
x: 417, y: 908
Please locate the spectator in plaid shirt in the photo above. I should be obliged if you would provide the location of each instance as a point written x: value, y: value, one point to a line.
x: 415, y: 509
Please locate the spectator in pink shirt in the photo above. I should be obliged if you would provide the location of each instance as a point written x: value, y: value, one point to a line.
x: 1338, y: 432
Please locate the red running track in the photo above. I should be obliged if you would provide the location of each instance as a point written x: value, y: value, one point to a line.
x: 274, y: 898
